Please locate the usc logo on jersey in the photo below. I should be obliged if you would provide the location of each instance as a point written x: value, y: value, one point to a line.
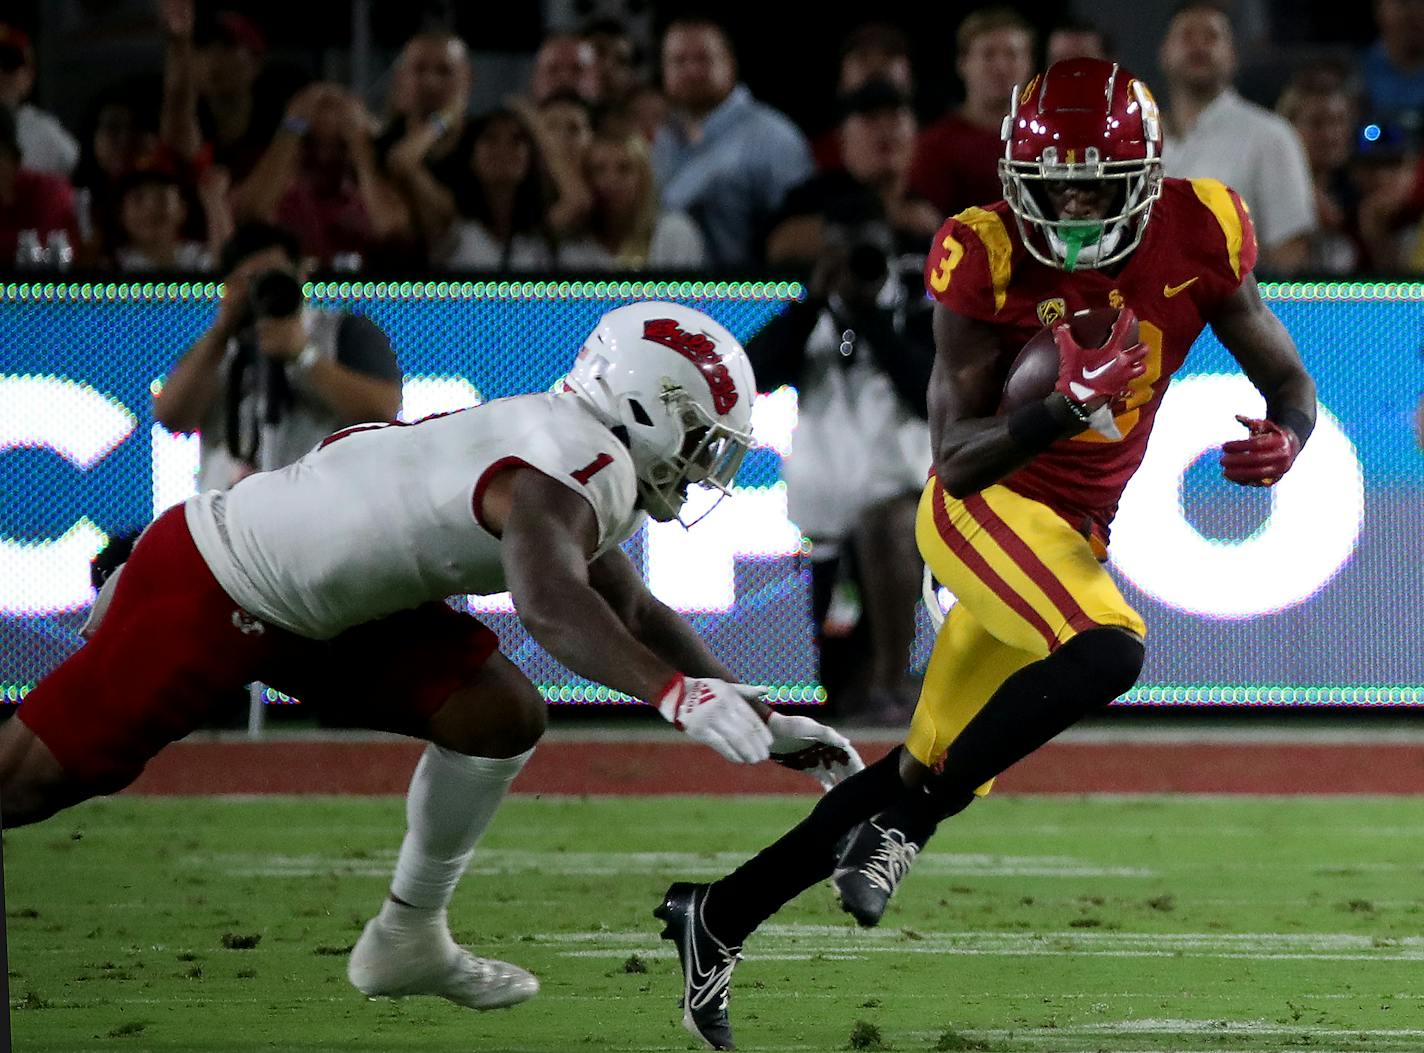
x: 698, y: 349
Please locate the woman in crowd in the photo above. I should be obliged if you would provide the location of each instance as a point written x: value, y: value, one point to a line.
x: 519, y: 200
x: 152, y: 218
x: 120, y: 133
x: 626, y: 227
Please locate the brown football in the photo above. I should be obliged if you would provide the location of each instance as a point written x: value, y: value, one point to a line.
x: 1034, y: 372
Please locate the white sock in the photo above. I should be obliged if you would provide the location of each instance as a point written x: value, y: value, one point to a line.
x: 450, y: 804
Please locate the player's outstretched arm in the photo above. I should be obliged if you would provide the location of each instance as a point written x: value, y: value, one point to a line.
x: 656, y: 625
x: 972, y: 447
x: 547, y: 534
x: 1255, y: 337
x: 799, y: 742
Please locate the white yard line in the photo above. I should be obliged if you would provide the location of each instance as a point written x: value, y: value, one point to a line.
x: 587, y: 864
x: 807, y: 942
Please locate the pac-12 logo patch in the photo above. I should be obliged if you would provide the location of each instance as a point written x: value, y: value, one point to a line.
x: 698, y: 349
x: 1051, y: 310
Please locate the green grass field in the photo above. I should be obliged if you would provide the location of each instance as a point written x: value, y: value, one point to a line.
x: 1034, y: 924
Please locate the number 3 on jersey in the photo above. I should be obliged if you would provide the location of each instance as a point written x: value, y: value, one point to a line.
x: 954, y: 252
x: 1139, y: 392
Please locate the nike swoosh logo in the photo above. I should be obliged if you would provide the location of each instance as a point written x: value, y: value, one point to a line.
x: 1170, y: 291
x: 1093, y: 374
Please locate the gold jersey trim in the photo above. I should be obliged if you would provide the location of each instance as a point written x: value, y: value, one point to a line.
x: 990, y: 229
x: 1213, y: 194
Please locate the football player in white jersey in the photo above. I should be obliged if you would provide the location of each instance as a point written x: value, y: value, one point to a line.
x: 326, y: 580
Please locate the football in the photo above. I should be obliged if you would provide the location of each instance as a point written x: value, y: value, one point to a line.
x: 1034, y: 372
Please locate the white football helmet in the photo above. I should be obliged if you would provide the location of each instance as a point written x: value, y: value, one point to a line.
x: 678, y: 387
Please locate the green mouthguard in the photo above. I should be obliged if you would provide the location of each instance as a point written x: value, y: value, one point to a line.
x: 1076, y: 235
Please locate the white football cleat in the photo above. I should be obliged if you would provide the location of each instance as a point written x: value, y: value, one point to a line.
x: 393, y: 964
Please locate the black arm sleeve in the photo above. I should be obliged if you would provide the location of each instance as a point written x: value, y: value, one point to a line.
x: 362, y: 346
x: 778, y: 351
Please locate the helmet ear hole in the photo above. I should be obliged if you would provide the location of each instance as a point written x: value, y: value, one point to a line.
x: 639, y: 413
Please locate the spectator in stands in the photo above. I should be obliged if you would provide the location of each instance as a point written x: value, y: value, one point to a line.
x: 152, y: 213
x: 30, y: 202
x: 723, y: 158
x: 237, y: 114
x: 45, y: 145
x: 874, y: 51
x: 569, y: 122
x: 427, y: 144
x: 1211, y: 131
x: 120, y: 134
x: 645, y: 112
x: 1076, y: 38
x: 616, y: 59
x: 859, y: 350
x: 878, y: 141
x: 957, y: 157
x: 1394, y: 64
x: 517, y: 202
x: 566, y: 63
x: 627, y: 228
x: 1322, y: 111
x: 273, y: 376
x: 320, y: 180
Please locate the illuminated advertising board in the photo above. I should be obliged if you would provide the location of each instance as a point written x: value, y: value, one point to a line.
x: 1311, y: 593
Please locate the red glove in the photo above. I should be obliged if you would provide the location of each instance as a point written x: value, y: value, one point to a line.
x: 1264, y: 457
x: 1094, y: 375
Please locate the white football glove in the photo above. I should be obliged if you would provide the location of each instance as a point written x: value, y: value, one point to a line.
x: 803, y: 744
x: 713, y: 713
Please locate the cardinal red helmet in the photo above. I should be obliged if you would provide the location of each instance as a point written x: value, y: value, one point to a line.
x: 1089, y: 120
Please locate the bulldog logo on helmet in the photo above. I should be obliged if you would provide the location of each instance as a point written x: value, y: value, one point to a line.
x: 698, y: 349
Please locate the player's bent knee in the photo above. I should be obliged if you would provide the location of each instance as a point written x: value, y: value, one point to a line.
x: 1110, y: 656
x: 503, y: 716
x: 525, y: 725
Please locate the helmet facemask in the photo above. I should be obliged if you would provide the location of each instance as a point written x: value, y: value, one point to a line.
x: 1073, y: 244
x: 708, y: 454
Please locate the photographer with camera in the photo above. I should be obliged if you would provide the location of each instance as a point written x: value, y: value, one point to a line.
x: 273, y: 376
x: 858, y: 350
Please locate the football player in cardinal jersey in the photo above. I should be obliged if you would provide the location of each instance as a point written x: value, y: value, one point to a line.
x: 1015, y: 519
x: 326, y: 579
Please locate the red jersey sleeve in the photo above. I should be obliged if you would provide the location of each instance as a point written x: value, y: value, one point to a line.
x: 969, y: 264
x: 1229, y: 247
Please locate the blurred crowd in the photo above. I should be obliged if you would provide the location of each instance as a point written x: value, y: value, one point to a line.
x: 624, y: 153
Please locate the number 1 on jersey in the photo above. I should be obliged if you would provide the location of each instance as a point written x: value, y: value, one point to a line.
x: 592, y: 468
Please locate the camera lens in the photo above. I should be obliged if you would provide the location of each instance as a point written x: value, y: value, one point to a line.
x: 276, y: 294
x: 867, y: 262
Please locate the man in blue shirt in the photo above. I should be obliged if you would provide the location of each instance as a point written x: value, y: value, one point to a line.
x: 722, y: 157
x: 1394, y: 64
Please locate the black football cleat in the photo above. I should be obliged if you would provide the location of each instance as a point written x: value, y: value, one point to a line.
x: 707, y: 964
x: 875, y: 861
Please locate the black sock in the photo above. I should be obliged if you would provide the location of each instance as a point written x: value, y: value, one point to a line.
x: 806, y: 854
x: 1034, y: 705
